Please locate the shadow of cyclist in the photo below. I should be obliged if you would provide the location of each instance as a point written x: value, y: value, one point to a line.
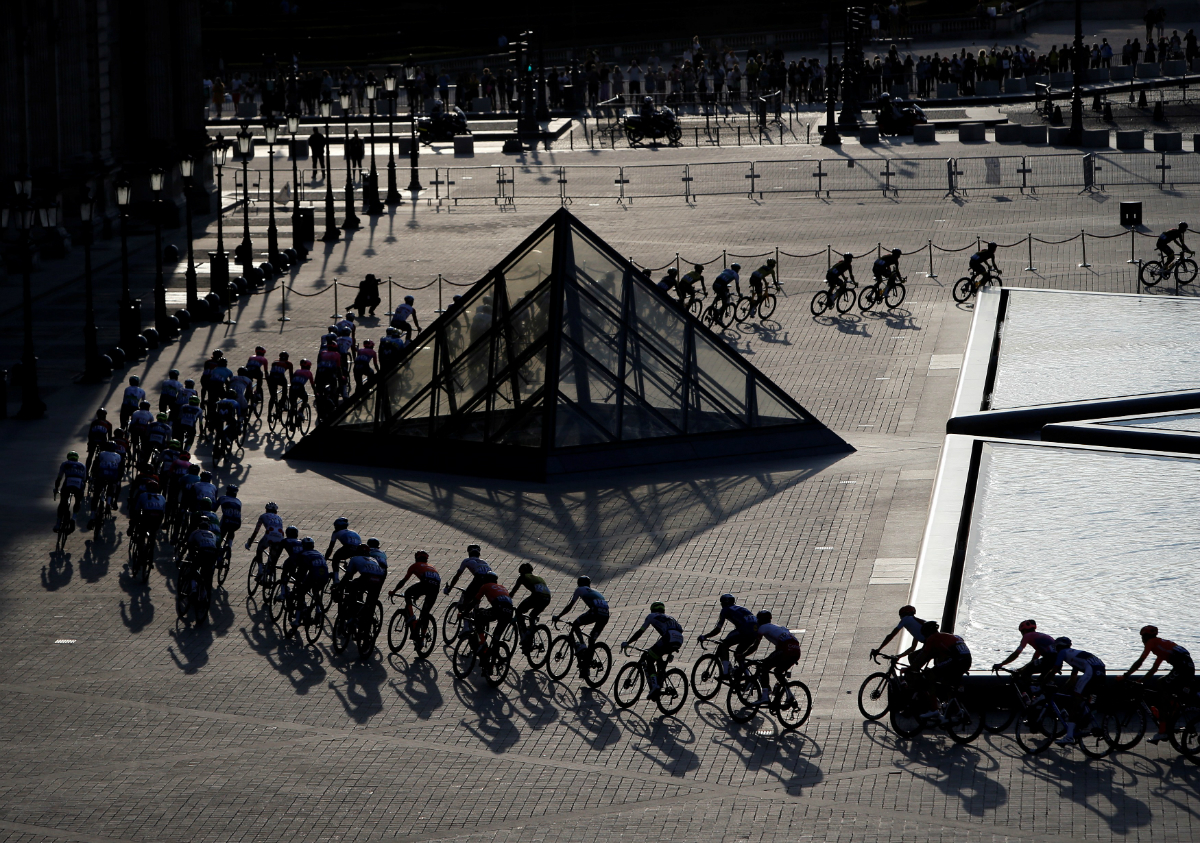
x: 493, y: 725
x: 1091, y: 786
x: 363, y: 697
x: 419, y: 689
x: 957, y: 770
x: 302, y: 665
x: 141, y: 610
x: 536, y: 693
x: 58, y: 573
x: 667, y: 739
x: 590, y: 720
x: 93, y: 564
x: 192, y: 645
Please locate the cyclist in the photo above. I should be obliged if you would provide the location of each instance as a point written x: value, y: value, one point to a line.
x: 426, y: 586
x: 1183, y: 671
x: 147, y: 510
x: 758, y: 282
x: 534, y: 604
x: 310, y: 571
x: 72, y: 477
x: 209, y: 365
x: 478, y: 569
x: 99, y: 431
x: 743, y: 640
x: 720, y: 284
x: 980, y: 260
x: 185, y: 394
x: 1166, y: 239
x: 301, y: 380
x: 345, y: 340
x: 226, y: 417
x: 389, y: 349
x: 280, y: 377
x: 187, y: 419
x: 159, y: 432
x: 950, y: 658
x: 231, y: 514
x: 668, y: 282
x: 1088, y: 668
x: 670, y: 639
x: 596, y: 616
x: 202, y: 489
x: 910, y: 623
x: 329, y: 366
x: 686, y: 287
x: 168, y: 391
x: 886, y: 265
x: 369, y: 582
x: 349, y: 540
x: 499, y: 608
x: 1045, y: 654
x: 241, y: 389
x: 106, y: 472
x: 139, y: 423
x: 841, y: 272
x: 406, y: 312
x: 272, y: 541
x: 366, y: 364
x: 132, y: 399
x: 346, y: 323
x: 376, y: 553
x: 256, y: 366
x: 202, y: 549
x: 218, y: 381
x: 772, y: 272
x: 785, y: 656
x: 184, y: 475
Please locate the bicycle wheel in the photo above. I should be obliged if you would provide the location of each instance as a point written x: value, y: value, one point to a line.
x: 276, y: 602
x: 1038, y: 729
x: 598, y: 666
x: 252, y: 578
x: 726, y: 315
x: 305, y: 419
x: 1185, y: 271
x: 872, y: 694
x: 964, y: 724
x: 1150, y: 273
x: 706, y: 676
x: 844, y: 300
x: 894, y: 296
x: 795, y: 705
x: 498, y: 664
x: 629, y: 684
x: 820, y: 303
x: 905, y: 721
x: 340, y: 635
x: 181, y: 599
x: 223, y: 568
x: 274, y: 416
x: 741, y: 311
x: 426, y: 637
x: 451, y: 622
x: 397, y: 631
x: 766, y: 307
x: 537, y: 648
x: 996, y: 720
x: 1131, y: 720
x: 464, y: 658
x: 673, y: 692
x: 867, y: 298
x: 1101, y: 739
x: 964, y: 288
x: 696, y: 307
x: 562, y: 656
x: 1186, y: 736
x: 743, y: 700
x: 314, y: 618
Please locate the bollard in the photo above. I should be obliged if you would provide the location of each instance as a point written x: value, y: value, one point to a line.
x: 677, y: 264
x: 828, y: 256
x: 1132, y: 246
x: 440, y: 308
x: 931, y: 273
x: 391, y: 310
x: 878, y: 250
x: 337, y: 314
x: 283, y: 307
x: 1029, y: 241
x: 724, y: 259
x: 1083, y: 240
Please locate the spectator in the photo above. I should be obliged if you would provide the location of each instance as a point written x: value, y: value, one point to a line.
x: 316, y: 146
x: 355, y: 150
x: 218, y: 95
x: 634, y: 75
x: 618, y: 82
x: 368, y: 296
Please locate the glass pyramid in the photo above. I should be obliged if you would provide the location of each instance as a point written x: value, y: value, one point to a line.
x: 563, y: 350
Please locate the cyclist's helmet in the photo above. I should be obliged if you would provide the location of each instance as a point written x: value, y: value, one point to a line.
x: 232, y: 490
x: 699, y: 267
x: 472, y: 550
x: 1183, y: 226
x: 145, y: 405
x: 1150, y: 631
x: 189, y: 383
x: 152, y: 487
x: 897, y: 252
x: 216, y: 355
x: 885, y: 97
x: 194, y: 400
x: 134, y: 380
x: 905, y: 611
x: 242, y: 370
x: 350, y: 316
x: 525, y: 568
x: 583, y: 582
x: 204, y: 505
x: 672, y: 271
x: 991, y: 247
x: 1027, y: 626
x: 368, y: 343
x: 259, y: 350
x: 175, y: 443
x: 409, y: 299
x: 120, y: 433
x: 728, y: 599
x: 1062, y: 643
x: 929, y: 627
x: 421, y: 556
x: 307, y: 543
x: 345, y: 332
x: 102, y: 413
x: 393, y: 332
x: 372, y: 542
x: 657, y: 606
x: 283, y: 355
x: 292, y: 532
x: 490, y: 576
x: 847, y: 257
x: 73, y: 456
x: 162, y: 417
x: 205, y: 476
x: 341, y: 522
x: 272, y: 507
x: 174, y: 373
x: 648, y: 100
x: 306, y: 363
x: 735, y: 267
x: 763, y: 617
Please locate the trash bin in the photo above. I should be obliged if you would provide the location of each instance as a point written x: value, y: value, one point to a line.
x: 1131, y: 214
x: 306, y: 225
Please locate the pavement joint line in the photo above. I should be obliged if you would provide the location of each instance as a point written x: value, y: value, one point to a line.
x: 26, y: 828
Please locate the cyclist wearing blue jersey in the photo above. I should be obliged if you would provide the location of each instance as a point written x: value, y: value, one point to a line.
x: 596, y: 615
x: 347, y: 538
x: 743, y: 640
x: 910, y: 623
x: 478, y: 568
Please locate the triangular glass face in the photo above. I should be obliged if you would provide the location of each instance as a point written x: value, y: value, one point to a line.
x: 526, y: 271
x: 524, y: 431
x: 410, y: 378
x: 572, y: 428
x: 772, y: 411
x: 468, y: 323
x: 361, y: 415
x: 596, y: 270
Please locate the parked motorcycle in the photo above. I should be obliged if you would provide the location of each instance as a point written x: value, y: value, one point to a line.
x: 442, y: 126
x: 663, y: 124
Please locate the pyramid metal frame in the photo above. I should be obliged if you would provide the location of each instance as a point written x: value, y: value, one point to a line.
x: 566, y: 358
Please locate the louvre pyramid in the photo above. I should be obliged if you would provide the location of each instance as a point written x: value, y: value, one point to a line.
x: 565, y: 358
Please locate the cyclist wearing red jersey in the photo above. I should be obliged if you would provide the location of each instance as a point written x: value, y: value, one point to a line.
x: 499, y: 608
x: 1045, y: 653
x: 949, y: 659
x: 280, y: 377
x: 256, y: 365
x: 329, y: 366
x: 366, y: 364
x: 301, y: 380
x: 1183, y: 672
x: 99, y: 432
x: 428, y: 580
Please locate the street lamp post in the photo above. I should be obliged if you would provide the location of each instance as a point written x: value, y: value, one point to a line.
x: 293, y: 123
x: 389, y: 87
x: 91, y: 344
x: 270, y: 131
x: 332, y: 234
x: 218, y: 261
x: 1075, y: 133
x: 157, y: 177
x: 371, y: 203
x: 414, y: 181
x: 187, y: 167
x: 32, y: 406
x: 246, y: 248
x: 130, y: 315
x: 831, y: 137
x: 345, y: 99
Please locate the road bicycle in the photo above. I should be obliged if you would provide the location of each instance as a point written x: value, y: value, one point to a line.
x: 284, y: 610
x: 873, y: 699
x: 633, y: 677
x: 191, y: 593
x: 1184, y: 269
x: 535, y: 639
x: 261, y: 573
x: 1137, y: 706
x: 277, y: 411
x: 494, y: 656
x: 299, y: 418
x: 790, y: 702
x: 952, y: 714
x: 761, y: 305
x: 101, y: 509
x: 595, y: 661
x: 452, y: 619
x: 839, y: 297
x: 708, y: 674
x: 405, y: 623
x: 721, y: 311
x: 969, y: 285
x: 141, y: 554
x: 355, y: 621
x: 1043, y: 719
x: 890, y: 292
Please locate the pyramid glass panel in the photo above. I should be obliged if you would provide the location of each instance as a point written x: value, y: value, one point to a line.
x: 640, y: 422
x: 722, y: 378
x: 592, y: 327
x: 661, y: 324
x: 410, y: 377
x: 593, y: 390
x: 573, y: 428
x: 772, y: 411
x: 530, y: 375
x: 595, y: 269
x: 469, y: 376
x: 528, y: 270
x: 530, y: 320
x: 361, y: 415
x: 469, y: 323
x: 527, y: 429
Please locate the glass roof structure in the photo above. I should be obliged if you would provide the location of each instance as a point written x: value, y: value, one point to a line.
x: 566, y: 358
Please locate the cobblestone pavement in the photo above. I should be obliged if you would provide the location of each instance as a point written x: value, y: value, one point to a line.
x: 139, y: 728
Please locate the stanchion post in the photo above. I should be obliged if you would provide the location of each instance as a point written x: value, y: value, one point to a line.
x: 284, y: 317
x: 724, y: 259
x: 391, y: 310
x: 1083, y: 240
x: 1029, y: 242
x: 828, y: 256
x: 440, y: 309
x: 677, y: 264
x: 1132, y: 246
x: 337, y: 313
x: 878, y: 250
x: 931, y: 273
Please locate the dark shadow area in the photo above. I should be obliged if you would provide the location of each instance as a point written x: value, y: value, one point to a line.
x: 493, y: 721
x: 668, y: 740
x: 58, y: 572
x: 361, y: 697
x: 417, y: 685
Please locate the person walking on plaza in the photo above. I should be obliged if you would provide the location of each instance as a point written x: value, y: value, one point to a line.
x: 355, y: 150
x: 317, y: 145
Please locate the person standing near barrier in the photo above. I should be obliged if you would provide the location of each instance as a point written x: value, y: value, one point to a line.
x: 317, y: 145
x: 368, y: 296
